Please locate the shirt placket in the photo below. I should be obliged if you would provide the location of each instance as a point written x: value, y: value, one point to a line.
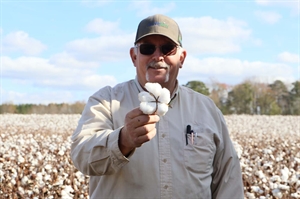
x: 165, y: 160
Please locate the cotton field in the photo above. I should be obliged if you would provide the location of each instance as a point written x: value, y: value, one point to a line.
x: 35, y: 162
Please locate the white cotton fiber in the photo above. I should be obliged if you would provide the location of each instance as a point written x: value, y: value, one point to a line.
x: 154, y: 88
x: 148, y: 107
x: 145, y: 97
x: 162, y: 109
x: 165, y: 96
x: 155, y: 100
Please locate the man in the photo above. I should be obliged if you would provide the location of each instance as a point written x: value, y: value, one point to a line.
x: 187, y: 153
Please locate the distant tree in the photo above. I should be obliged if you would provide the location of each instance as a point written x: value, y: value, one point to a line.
x: 219, y: 95
x: 24, y: 108
x: 296, y: 89
x: 266, y: 101
x: 52, y: 108
x: 198, y: 86
x: 240, y: 99
x: 295, y: 98
x: 78, y: 107
x: 8, y: 107
x: 281, y: 95
x: 274, y: 109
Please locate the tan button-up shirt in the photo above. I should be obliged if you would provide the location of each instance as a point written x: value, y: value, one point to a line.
x: 205, y: 165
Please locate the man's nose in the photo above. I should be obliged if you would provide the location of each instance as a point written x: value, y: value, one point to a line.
x: 158, y: 55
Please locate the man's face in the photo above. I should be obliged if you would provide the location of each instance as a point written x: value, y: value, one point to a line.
x: 157, y: 67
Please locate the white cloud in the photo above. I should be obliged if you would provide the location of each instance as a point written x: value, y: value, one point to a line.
x: 104, y: 48
x: 145, y: 8
x: 289, y: 57
x: 100, y: 26
x: 113, y: 44
x: 42, y: 97
x: 209, y: 35
x: 20, y: 41
x: 41, y: 72
x: 269, y: 17
x: 234, y: 71
x: 293, y: 5
x: 65, y: 60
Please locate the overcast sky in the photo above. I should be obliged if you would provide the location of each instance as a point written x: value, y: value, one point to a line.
x: 64, y: 51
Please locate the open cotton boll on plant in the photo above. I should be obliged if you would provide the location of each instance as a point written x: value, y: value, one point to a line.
x: 155, y: 100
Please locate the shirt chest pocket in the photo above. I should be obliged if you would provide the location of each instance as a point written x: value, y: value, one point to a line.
x: 200, y: 150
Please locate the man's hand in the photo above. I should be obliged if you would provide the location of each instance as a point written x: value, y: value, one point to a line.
x: 138, y: 129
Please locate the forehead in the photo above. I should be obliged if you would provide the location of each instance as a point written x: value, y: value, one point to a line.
x: 156, y: 39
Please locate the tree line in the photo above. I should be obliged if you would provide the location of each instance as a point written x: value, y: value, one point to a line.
x: 251, y: 97
x: 248, y: 97
x: 52, y: 108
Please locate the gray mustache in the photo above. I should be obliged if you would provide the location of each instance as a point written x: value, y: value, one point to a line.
x: 155, y: 64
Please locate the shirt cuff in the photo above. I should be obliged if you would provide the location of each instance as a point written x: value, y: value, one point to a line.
x: 117, y: 158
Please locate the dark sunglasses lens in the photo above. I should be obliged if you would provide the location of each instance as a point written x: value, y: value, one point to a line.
x: 147, y: 49
x: 167, y: 49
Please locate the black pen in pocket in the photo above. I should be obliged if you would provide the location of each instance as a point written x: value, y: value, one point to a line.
x: 190, y: 132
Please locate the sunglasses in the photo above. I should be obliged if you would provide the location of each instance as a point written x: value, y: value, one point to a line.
x: 166, y: 49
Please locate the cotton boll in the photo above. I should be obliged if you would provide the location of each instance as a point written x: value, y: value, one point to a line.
x: 277, y: 193
x: 21, y: 190
x: 154, y: 88
x: 148, y: 107
x: 283, y: 187
x: 260, y: 174
x: 165, y: 96
x: 145, y: 97
x: 157, y: 96
x: 285, y: 174
x: 61, y: 152
x: 295, y: 195
x: 13, y: 181
x: 275, y: 178
x: 21, y: 159
x: 48, y: 167
x: 66, y: 193
x: 162, y: 109
x: 24, y: 180
x: 250, y: 195
x: 47, y: 178
x: 257, y: 189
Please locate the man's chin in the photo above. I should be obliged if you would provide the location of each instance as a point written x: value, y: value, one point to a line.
x: 157, y: 78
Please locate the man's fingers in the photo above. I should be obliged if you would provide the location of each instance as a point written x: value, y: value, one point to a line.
x: 146, y: 119
x: 134, y: 113
x: 143, y: 130
x: 140, y: 139
x: 138, y: 128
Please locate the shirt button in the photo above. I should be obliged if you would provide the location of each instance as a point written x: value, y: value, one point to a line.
x: 164, y: 160
x: 163, y: 135
x: 166, y: 186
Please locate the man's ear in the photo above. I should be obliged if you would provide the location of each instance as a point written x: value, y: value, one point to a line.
x: 182, y: 56
x: 133, y: 55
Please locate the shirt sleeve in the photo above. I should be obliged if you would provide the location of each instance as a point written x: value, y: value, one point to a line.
x: 94, y: 149
x: 227, y: 180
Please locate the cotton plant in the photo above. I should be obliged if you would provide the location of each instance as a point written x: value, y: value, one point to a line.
x: 155, y: 100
